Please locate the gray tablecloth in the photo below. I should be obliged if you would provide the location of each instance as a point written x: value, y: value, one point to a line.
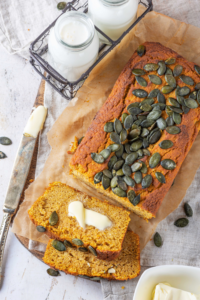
x: 20, y: 22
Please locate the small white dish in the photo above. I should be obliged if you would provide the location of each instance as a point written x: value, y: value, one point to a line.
x: 181, y: 277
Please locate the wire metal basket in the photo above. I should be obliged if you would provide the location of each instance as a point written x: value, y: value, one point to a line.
x: 39, y: 47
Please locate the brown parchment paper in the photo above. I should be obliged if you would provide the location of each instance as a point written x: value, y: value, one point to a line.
x: 76, y: 118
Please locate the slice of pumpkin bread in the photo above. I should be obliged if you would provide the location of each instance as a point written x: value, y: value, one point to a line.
x: 57, y: 197
x: 72, y: 261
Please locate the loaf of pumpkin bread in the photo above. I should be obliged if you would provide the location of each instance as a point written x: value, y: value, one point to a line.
x: 138, y: 140
x: 107, y: 243
x: 86, y: 265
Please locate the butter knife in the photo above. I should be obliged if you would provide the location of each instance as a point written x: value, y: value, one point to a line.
x: 19, y: 174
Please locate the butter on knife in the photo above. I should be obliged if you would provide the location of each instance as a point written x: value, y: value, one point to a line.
x: 36, y: 121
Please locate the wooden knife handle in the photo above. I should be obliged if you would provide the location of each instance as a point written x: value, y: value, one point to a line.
x: 3, y: 235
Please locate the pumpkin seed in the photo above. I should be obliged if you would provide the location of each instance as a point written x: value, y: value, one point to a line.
x: 170, y: 80
x: 105, y: 182
x: 40, y: 228
x: 118, y: 164
x: 176, y: 118
x: 138, y: 72
x: 168, y: 110
x: 131, y: 196
x: 161, y: 98
x: 160, y: 177
x: 120, y: 151
x: 168, y: 164
x: 67, y: 244
x: 147, y: 181
x: 136, y: 166
x: 114, y: 182
x: 115, y: 137
x: 182, y: 222
x: 175, y: 109
x: 129, y: 181
x: 114, y: 173
x: 154, y: 115
x: 161, y: 123
x: 154, y: 160
x: 141, y: 50
x: 58, y: 245
x: 191, y: 103
x: 82, y: 249
x: 80, y: 140
x: 155, y: 79
x: 170, y: 61
x: 154, y: 93
x: 84, y: 276
x: 147, y: 123
x: 127, y: 148
x: 111, y: 163
x: 124, y: 117
x: 157, y: 240
x: 173, y: 102
x: 181, y: 100
x: 198, y: 96
x: 162, y: 68
x: 108, y: 127
x: 92, y: 250
x: 136, y: 200
x: 140, y: 93
x: 53, y: 219
x: 187, y: 79
x: 97, y: 158
x: 141, y: 81
x: 193, y: 95
x: 123, y: 135
x: 5, y: 141
x: 197, y: 87
x: 105, y: 153
x: 167, y: 89
x: 136, y: 145
x: 140, y: 152
x: 170, y: 121
x: 77, y: 242
x: 120, y: 173
x: 155, y: 137
x: 134, y: 133
x: 145, y: 143
x: 134, y: 104
x: 53, y: 272
x: 166, y: 144
x: 138, y: 177
x: 177, y: 70
x: 149, y: 101
x: 118, y: 126
x: 185, y: 109
x: 145, y: 132
x: 197, y: 69
x: 126, y: 170
x: 107, y: 173
x: 188, y: 210
x: 146, y: 107
x: 134, y: 110
x: 143, y: 170
x: 159, y: 106
x: 61, y: 5
x: 131, y: 158
x: 119, y: 192
x: 114, y: 147
x: 151, y: 67
x: 146, y: 152
x: 168, y: 71
x: 183, y: 91
x: 128, y: 122
x: 98, y: 177
x: 2, y: 155
x: 121, y: 184
x: 95, y: 278
x: 173, y: 130
x: 138, y: 122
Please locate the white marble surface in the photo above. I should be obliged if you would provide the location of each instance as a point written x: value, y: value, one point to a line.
x: 25, y: 277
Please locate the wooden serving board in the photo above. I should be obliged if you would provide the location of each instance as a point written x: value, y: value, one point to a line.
x: 38, y: 101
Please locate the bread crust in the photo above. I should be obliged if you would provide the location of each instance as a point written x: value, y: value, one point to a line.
x: 95, y: 140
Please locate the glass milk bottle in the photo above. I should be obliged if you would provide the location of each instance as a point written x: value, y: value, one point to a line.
x: 73, y: 45
x: 112, y: 17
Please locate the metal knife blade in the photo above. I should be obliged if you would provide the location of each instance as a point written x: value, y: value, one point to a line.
x: 19, y: 174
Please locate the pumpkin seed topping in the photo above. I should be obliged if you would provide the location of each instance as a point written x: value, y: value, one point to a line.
x: 166, y: 144
x: 105, y: 153
x: 141, y: 50
x: 187, y: 79
x: 115, y: 137
x: 147, y: 181
x: 53, y: 219
x: 191, y: 103
x: 40, y: 228
x: 136, y: 200
x: 188, y: 210
x: 97, y: 158
x: 108, y: 127
x: 138, y: 177
x: 129, y: 181
x: 197, y: 69
x: 53, y: 272
x: 155, y: 79
x: 131, y: 196
x: 105, y: 182
x: 118, y: 126
x: 167, y: 89
x: 77, y: 242
x: 182, y: 222
x: 92, y: 250
x: 140, y: 93
x: 153, y: 93
x: 67, y: 244
x: 160, y: 177
x: 2, y: 155
x: 173, y: 130
x: 177, y: 70
x: 170, y: 80
x: 141, y: 81
x: 5, y: 141
x: 168, y: 164
x: 154, y: 160
x: 61, y: 5
x: 136, y: 166
x: 162, y: 68
x: 58, y: 245
x: 183, y: 91
x: 138, y: 72
x: 157, y: 240
x: 170, y: 61
x: 119, y: 192
x: 128, y: 122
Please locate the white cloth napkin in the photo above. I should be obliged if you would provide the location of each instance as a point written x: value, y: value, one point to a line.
x: 21, y: 21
